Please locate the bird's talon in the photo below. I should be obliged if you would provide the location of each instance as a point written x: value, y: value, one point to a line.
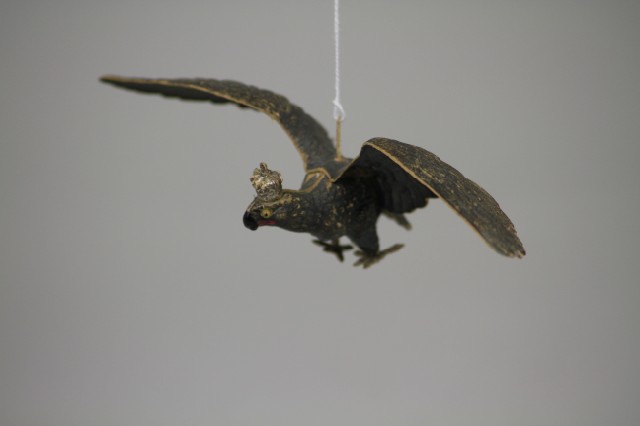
x: 334, y: 247
x: 368, y: 259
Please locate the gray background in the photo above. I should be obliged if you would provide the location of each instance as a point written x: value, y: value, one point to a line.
x: 131, y: 294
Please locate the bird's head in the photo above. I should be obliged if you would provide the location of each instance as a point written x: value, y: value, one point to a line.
x: 269, y: 208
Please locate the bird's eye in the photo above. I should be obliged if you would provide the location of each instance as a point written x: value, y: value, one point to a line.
x: 265, y: 213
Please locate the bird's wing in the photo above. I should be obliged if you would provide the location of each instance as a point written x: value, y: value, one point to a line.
x: 309, y: 137
x: 407, y: 175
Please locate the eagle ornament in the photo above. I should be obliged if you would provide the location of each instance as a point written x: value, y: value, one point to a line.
x: 339, y: 196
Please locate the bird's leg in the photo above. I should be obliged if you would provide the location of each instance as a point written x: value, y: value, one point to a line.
x: 368, y: 258
x: 367, y: 241
x: 334, y: 247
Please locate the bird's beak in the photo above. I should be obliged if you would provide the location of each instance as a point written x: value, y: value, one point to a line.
x: 250, y: 221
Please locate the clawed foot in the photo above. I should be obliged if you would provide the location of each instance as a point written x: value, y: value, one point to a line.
x: 368, y: 259
x: 333, y: 247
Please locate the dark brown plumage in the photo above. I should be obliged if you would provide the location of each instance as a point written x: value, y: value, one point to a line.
x: 340, y: 196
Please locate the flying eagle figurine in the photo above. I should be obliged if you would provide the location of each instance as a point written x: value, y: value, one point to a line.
x: 340, y: 196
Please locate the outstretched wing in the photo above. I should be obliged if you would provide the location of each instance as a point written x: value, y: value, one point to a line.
x: 407, y: 175
x: 309, y: 137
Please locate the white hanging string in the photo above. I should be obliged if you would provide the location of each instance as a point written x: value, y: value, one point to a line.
x: 338, y: 110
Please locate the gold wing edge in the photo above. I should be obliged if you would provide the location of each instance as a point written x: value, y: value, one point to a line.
x: 511, y: 248
x: 288, y: 115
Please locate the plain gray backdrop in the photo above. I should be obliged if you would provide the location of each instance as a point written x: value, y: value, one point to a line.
x: 131, y: 293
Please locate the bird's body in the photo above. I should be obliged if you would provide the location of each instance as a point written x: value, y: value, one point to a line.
x: 340, y: 196
x: 325, y: 209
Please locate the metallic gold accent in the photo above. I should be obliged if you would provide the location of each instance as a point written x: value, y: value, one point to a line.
x: 267, y: 183
x: 338, y: 139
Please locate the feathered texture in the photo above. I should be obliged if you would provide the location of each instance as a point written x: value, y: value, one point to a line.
x: 339, y: 196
